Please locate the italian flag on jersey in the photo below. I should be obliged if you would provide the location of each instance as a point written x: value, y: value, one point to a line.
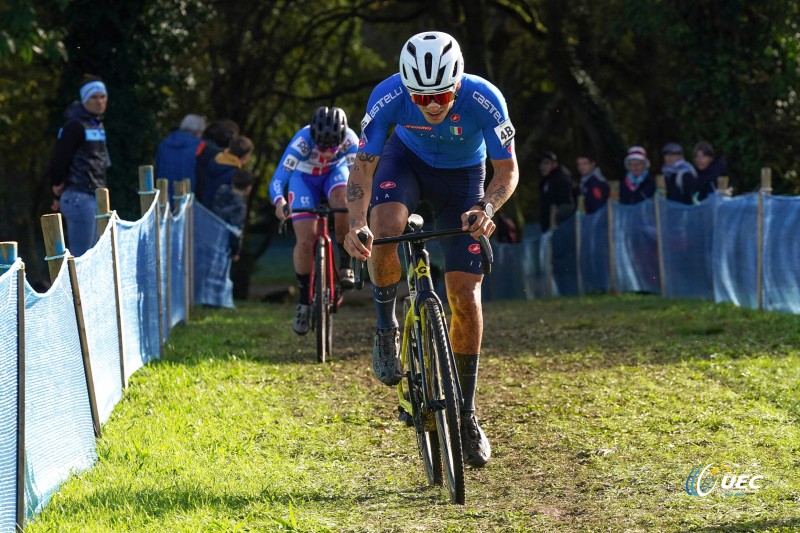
x: 455, y: 130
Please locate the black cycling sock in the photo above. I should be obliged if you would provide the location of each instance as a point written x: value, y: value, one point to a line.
x: 344, y: 257
x: 384, y: 304
x: 467, y: 367
x: 303, y: 281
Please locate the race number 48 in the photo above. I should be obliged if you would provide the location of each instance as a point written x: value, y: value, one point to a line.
x: 505, y: 132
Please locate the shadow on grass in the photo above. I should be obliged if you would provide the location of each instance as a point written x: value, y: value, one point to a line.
x: 161, y: 503
x: 789, y: 524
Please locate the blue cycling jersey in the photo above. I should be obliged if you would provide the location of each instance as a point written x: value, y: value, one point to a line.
x: 303, y: 155
x: 477, y: 124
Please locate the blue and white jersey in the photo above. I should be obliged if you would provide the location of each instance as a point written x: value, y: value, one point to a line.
x: 302, y: 155
x: 477, y: 125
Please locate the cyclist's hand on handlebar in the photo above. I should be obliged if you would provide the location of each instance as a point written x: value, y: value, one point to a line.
x: 354, y: 246
x: 482, y: 225
x: 282, y: 209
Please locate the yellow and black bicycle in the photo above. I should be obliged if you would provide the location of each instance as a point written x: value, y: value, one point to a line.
x: 430, y: 395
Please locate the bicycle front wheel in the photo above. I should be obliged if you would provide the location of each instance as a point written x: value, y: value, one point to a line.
x: 444, y: 397
x: 424, y: 422
x: 321, y: 303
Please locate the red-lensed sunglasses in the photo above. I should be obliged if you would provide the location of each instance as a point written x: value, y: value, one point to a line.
x: 334, y: 148
x: 440, y: 98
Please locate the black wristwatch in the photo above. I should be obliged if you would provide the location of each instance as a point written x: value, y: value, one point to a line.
x: 487, y: 208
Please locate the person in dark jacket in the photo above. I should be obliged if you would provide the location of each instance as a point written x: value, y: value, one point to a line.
x: 638, y: 184
x: 79, y: 163
x: 680, y: 177
x: 593, y: 187
x: 221, y: 169
x: 216, y: 138
x: 175, y: 158
x: 230, y: 204
x: 555, y: 189
x: 709, y: 167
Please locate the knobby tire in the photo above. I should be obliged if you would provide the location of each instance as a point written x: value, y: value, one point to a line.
x: 427, y: 439
x: 444, y: 388
x: 321, y: 308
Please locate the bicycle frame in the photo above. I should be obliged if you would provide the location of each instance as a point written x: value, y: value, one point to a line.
x: 322, y: 231
x: 420, y: 288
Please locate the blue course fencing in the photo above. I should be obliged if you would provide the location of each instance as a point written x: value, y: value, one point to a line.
x: 75, y: 356
x: 726, y: 249
x: 9, y: 326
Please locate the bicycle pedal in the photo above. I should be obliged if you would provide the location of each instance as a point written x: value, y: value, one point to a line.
x: 405, y: 417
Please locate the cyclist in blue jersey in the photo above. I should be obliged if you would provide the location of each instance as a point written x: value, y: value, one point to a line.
x: 446, y: 124
x: 315, y: 166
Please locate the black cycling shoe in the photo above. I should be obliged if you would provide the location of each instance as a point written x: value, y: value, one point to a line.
x: 386, y: 356
x: 474, y: 443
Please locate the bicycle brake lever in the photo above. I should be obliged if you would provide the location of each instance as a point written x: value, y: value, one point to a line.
x: 358, y: 266
x: 282, y: 225
x: 487, y: 255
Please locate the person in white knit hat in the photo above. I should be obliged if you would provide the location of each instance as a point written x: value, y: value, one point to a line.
x: 638, y: 184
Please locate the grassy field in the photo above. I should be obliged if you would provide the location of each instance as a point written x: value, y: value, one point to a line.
x: 597, y: 409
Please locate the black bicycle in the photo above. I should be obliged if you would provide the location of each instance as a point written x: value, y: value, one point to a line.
x: 430, y: 398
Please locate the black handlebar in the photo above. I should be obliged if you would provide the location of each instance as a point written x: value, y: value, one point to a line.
x: 487, y: 256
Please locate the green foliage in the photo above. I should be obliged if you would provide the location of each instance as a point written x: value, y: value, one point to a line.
x: 26, y: 33
x: 578, y: 76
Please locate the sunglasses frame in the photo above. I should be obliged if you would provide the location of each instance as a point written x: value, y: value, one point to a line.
x: 425, y: 99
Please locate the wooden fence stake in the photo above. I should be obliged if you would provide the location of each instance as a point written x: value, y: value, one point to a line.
x: 766, y: 188
x: 84, y: 342
x: 612, y: 259
x: 164, y: 211
x: 657, y: 199
x: 578, y: 218
x: 53, y: 243
x: 103, y: 210
x: 147, y: 191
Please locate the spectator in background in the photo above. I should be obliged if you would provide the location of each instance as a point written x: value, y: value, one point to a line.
x: 221, y: 169
x: 230, y: 204
x: 593, y: 187
x: 638, y: 184
x: 506, y: 231
x: 216, y: 137
x: 681, y: 177
x: 175, y: 158
x: 709, y: 167
x: 79, y: 162
x: 555, y: 190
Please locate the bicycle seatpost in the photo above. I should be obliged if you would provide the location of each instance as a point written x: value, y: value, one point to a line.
x: 358, y: 266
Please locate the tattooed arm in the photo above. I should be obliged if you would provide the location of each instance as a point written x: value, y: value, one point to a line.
x: 505, y: 180
x: 506, y: 177
x: 359, y: 189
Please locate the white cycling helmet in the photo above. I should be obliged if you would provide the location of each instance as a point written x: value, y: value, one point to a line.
x: 431, y: 62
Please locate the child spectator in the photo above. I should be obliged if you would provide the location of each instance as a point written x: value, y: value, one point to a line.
x: 231, y: 206
x: 709, y: 167
x: 221, y: 169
